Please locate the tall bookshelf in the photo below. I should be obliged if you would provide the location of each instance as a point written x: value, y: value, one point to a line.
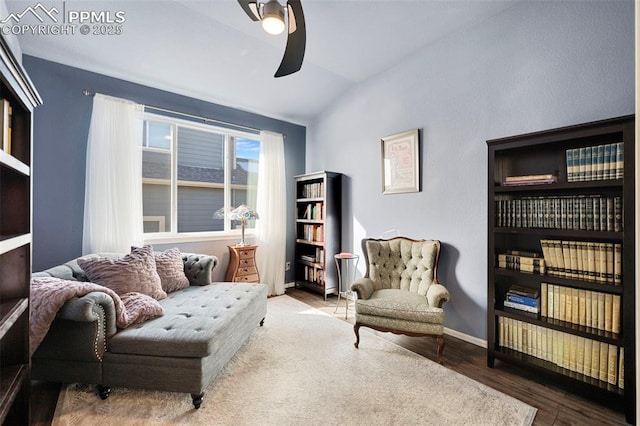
x: 18, y: 93
x: 318, y: 231
x: 564, y: 199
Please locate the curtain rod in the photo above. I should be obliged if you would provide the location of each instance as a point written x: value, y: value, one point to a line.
x: 184, y: 114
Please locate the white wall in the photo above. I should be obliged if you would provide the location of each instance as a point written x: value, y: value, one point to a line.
x: 537, y: 65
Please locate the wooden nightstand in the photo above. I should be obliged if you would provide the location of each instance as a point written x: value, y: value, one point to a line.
x: 242, y: 265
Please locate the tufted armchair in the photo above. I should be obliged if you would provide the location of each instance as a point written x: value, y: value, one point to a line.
x: 400, y: 292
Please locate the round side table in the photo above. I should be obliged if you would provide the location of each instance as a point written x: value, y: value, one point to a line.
x: 347, y: 265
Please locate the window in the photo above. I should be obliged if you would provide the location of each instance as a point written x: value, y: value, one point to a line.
x: 190, y: 171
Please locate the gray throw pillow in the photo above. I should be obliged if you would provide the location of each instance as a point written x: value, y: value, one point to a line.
x: 135, y: 271
x: 170, y: 268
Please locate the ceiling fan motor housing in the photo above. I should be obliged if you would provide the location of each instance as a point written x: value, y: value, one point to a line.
x: 273, y: 17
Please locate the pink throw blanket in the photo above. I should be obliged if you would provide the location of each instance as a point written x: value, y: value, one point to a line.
x: 49, y: 294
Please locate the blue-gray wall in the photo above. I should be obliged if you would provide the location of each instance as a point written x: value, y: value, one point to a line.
x: 537, y: 65
x: 61, y: 126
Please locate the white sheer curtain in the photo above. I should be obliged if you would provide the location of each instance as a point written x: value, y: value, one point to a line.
x: 113, y: 186
x: 271, y: 228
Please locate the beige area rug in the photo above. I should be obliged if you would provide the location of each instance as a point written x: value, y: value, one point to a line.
x: 301, y: 368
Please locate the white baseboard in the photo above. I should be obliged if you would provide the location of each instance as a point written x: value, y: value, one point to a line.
x: 469, y: 339
x: 289, y: 284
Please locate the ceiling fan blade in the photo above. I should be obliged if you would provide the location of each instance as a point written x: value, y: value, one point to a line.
x: 296, y: 40
x: 250, y: 8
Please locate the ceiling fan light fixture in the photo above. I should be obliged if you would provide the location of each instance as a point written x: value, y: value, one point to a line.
x: 273, y: 17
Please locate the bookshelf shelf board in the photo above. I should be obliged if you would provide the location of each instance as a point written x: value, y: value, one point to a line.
x: 12, y: 242
x: 312, y: 264
x: 611, y: 183
x: 309, y: 200
x: 311, y: 243
x: 316, y: 287
x: 13, y: 378
x: 8, y: 160
x: 10, y: 311
x: 562, y: 233
x: 566, y: 282
x: 314, y: 221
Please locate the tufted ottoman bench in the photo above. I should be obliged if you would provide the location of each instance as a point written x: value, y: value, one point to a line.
x: 185, y: 349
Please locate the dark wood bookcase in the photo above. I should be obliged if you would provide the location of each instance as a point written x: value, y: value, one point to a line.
x: 318, y: 231
x: 536, y: 341
x: 15, y: 238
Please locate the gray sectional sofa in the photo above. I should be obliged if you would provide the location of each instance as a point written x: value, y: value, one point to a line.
x: 182, y: 351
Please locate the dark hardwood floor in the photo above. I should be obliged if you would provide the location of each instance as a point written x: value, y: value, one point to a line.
x: 555, y: 405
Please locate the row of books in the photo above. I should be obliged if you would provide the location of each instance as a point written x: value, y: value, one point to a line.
x: 597, y: 360
x: 313, y: 232
x: 522, y: 261
x: 313, y: 275
x: 584, y: 260
x: 6, y: 116
x: 588, y: 308
x: 313, y: 190
x: 317, y: 257
x: 599, y: 162
x: 580, y: 212
x: 312, y: 211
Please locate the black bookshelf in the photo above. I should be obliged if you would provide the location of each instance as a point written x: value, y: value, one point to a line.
x: 18, y: 98
x: 547, y: 154
x: 318, y: 231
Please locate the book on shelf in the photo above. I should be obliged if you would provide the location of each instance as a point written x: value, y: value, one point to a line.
x: 584, y: 260
x: 523, y: 300
x: 594, y: 359
x: 313, y: 233
x: 522, y: 263
x: 313, y: 211
x: 599, y: 162
x: 521, y: 307
x: 314, y: 275
x: 313, y: 190
x: 6, y: 113
x: 596, y: 212
x: 597, y: 310
x: 530, y: 180
x: 307, y: 258
x: 519, y: 295
x: 523, y: 291
x: 621, y: 369
x: 316, y: 257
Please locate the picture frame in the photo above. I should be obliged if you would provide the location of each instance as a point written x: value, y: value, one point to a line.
x: 401, y: 162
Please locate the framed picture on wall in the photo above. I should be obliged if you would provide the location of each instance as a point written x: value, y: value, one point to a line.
x: 401, y: 163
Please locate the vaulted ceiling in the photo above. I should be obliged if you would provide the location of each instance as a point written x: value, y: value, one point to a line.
x: 212, y: 51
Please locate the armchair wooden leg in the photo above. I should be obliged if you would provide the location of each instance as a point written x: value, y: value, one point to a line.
x: 356, y: 329
x: 440, y: 348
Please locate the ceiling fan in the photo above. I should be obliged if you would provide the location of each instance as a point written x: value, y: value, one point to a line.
x: 271, y: 14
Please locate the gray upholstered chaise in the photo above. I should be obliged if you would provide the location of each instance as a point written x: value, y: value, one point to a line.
x: 183, y: 351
